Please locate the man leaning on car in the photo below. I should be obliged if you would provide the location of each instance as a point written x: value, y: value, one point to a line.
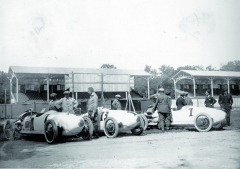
x: 92, y: 108
x: 164, y: 106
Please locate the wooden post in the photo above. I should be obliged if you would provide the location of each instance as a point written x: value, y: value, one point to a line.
x: 228, y: 85
x: 194, y: 87
x: 148, y: 88
x: 212, y: 86
x: 16, y: 89
x: 175, y: 87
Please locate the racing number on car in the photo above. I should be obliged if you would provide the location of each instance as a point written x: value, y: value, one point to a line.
x: 105, y: 115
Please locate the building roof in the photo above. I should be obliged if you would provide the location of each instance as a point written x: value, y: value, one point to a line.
x: 197, y: 73
x: 66, y: 71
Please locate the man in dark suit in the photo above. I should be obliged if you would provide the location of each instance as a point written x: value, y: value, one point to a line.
x: 164, y: 106
x: 209, y: 101
x: 181, y: 101
x: 225, y: 100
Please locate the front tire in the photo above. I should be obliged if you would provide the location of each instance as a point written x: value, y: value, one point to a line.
x: 111, y: 128
x: 87, y: 135
x: 139, y: 130
x: 203, y: 122
x: 50, y: 131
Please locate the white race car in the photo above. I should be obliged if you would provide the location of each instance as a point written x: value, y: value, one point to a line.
x: 112, y: 122
x: 54, y: 125
x: 202, y: 118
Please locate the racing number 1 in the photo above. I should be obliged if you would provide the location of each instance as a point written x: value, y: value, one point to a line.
x: 105, y: 115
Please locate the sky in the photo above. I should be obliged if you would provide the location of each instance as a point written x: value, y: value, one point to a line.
x: 126, y: 33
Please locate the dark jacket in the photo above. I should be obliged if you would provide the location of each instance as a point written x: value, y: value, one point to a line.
x: 225, y: 101
x: 162, y: 103
x: 209, y: 101
x: 180, y: 103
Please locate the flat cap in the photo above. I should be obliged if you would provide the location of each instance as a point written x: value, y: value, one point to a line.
x: 66, y: 92
x: 117, y: 95
x: 161, y: 89
x: 53, y: 94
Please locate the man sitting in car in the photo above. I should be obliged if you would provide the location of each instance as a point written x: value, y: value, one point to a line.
x: 68, y: 103
x: 52, y: 103
x: 116, y: 103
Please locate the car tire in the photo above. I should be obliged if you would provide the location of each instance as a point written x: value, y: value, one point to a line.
x: 111, y: 128
x: 87, y: 135
x: 218, y: 126
x: 139, y: 130
x: 7, y: 129
x: 51, y: 135
x: 203, y: 122
x: 145, y: 121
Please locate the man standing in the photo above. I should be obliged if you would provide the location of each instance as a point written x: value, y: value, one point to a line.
x: 164, y: 107
x: 188, y: 100
x: 209, y: 101
x: 168, y: 93
x: 68, y: 103
x: 52, y: 103
x: 225, y: 100
x: 116, y: 103
x: 180, y: 101
x: 92, y: 109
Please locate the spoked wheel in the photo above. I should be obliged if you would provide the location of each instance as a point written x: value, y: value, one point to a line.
x: 139, y: 130
x: 111, y: 127
x: 218, y: 126
x: 88, y: 129
x: 203, y: 122
x: 50, y: 131
x: 7, y: 129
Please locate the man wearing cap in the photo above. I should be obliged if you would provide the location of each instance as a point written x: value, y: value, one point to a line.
x: 168, y: 93
x: 209, y: 101
x: 180, y: 101
x: 188, y: 100
x: 164, y: 107
x: 116, y: 103
x: 92, y: 109
x: 52, y: 103
x: 68, y: 103
x: 225, y: 100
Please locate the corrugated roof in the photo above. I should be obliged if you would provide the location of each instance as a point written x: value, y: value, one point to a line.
x: 58, y: 70
x: 211, y: 73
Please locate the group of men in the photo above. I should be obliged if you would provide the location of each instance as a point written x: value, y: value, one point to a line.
x: 163, y: 104
x: 68, y: 104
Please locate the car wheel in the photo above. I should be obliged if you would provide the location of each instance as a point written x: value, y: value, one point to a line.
x: 218, y: 126
x: 139, y: 130
x: 7, y: 129
x: 50, y: 131
x: 145, y: 121
x: 111, y: 127
x: 88, y: 130
x: 203, y: 122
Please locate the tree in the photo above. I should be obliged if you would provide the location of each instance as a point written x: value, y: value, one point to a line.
x: 4, y: 84
x: 108, y: 66
x: 210, y: 68
x: 231, y: 66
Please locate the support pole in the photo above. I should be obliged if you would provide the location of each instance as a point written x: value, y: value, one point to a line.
x: 148, y: 88
x: 10, y: 81
x: 72, y: 85
x: 16, y: 89
x: 228, y: 85
x: 175, y: 87
x: 48, y: 88
x: 194, y: 87
x: 212, y: 86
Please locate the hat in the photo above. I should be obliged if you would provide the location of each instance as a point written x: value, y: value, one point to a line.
x: 182, y: 93
x: 53, y: 94
x: 161, y: 89
x: 117, y: 95
x: 167, y: 92
x: 66, y: 92
x: 186, y: 93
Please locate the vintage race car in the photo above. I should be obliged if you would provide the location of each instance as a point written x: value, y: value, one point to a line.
x: 112, y: 122
x: 54, y: 125
x: 202, y: 118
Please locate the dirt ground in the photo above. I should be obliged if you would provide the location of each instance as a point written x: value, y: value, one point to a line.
x: 177, y: 148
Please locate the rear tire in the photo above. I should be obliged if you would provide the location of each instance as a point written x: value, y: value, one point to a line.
x: 145, y: 121
x: 87, y: 135
x: 139, y: 130
x: 111, y: 128
x: 50, y: 131
x: 218, y: 126
x: 203, y: 122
